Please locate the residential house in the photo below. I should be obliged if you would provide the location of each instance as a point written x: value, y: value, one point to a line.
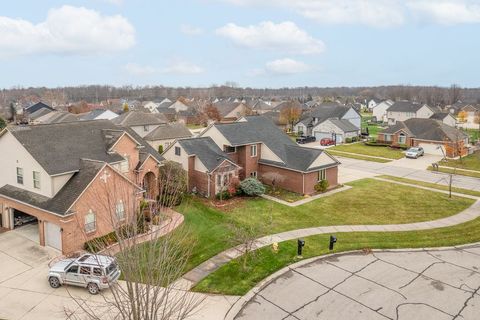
x: 379, y: 112
x: 434, y: 136
x: 445, y: 117
x: 258, y: 147
x: 152, y: 106
x: 77, y: 179
x: 209, y: 169
x: 372, y: 103
x: 231, y: 110
x: 312, y: 123
x: 404, y: 110
x: 55, y: 117
x: 36, y: 107
x: 142, y: 123
x: 98, y: 114
x: 166, y: 134
x: 468, y: 114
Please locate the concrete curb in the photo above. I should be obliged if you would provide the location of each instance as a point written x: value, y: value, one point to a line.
x: 238, y: 306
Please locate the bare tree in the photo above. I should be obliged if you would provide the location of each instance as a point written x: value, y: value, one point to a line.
x: 455, y: 93
x: 150, y: 255
x: 290, y: 114
x: 274, y: 178
x: 244, y: 237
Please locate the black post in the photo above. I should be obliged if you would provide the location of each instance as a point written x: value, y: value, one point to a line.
x: 300, y: 244
x: 333, y: 239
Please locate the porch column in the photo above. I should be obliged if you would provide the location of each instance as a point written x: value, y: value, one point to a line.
x: 41, y: 232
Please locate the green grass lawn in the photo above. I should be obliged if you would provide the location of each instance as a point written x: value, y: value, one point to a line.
x: 283, y: 194
x: 232, y: 279
x: 368, y: 202
x: 470, y: 162
x: 376, y: 151
x: 432, y: 185
x: 358, y: 157
x: 474, y: 134
x: 373, y: 128
x: 457, y: 171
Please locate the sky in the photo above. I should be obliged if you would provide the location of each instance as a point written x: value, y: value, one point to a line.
x: 254, y: 43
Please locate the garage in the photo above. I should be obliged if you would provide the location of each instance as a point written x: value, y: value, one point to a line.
x: 53, y: 236
x: 25, y: 225
x: 431, y: 148
x: 329, y: 135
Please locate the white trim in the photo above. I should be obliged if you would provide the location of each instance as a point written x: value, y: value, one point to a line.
x: 119, y: 138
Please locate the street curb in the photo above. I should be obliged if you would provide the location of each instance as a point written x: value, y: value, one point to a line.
x: 238, y: 306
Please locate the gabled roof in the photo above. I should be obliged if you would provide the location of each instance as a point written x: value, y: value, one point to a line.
x: 323, y: 112
x: 427, y: 129
x: 136, y: 118
x: 59, y: 147
x: 39, y: 113
x: 225, y: 107
x: 169, y: 131
x: 440, y: 115
x: 66, y: 197
x: 344, y: 125
x: 259, y: 129
x: 405, y: 106
x: 94, y: 114
x: 36, y: 107
x: 206, y: 150
x: 57, y: 117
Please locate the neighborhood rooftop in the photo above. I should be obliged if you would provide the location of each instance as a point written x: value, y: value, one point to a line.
x: 206, y: 150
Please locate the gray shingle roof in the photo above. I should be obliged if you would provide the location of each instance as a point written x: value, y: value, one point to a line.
x: 323, y: 112
x: 66, y: 197
x: 169, y: 131
x: 261, y: 129
x: 39, y: 113
x: 136, y: 118
x: 345, y: 125
x: 57, y: 117
x: 92, y: 115
x: 405, y: 106
x: 206, y: 150
x: 428, y: 129
x: 439, y: 115
x: 59, y: 147
x: 225, y: 107
x: 36, y: 107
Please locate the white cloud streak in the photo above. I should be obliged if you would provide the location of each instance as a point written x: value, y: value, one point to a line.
x: 67, y: 30
x: 190, y: 30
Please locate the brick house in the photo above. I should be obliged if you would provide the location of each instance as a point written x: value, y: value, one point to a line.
x: 258, y: 147
x: 434, y: 136
x: 66, y: 176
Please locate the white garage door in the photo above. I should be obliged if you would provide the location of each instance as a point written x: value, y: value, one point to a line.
x: 53, y: 236
x: 430, y: 148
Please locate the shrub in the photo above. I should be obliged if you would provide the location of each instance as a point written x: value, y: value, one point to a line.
x: 252, y: 187
x: 321, y: 186
x: 348, y: 140
x: 160, y: 149
x: 376, y: 144
x: 354, y: 139
x: 224, y: 195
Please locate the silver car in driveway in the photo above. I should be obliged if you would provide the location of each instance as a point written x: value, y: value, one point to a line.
x: 91, y: 271
x: 414, y: 152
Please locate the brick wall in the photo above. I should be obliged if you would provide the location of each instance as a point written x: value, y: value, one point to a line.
x: 246, y: 161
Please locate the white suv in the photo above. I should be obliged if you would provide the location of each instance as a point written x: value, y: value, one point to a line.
x: 94, y: 272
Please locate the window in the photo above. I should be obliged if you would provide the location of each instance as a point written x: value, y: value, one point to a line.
x: 300, y: 130
x: 19, y: 175
x: 73, y: 269
x: 125, y: 165
x: 402, y: 139
x: 120, y: 210
x: 97, y: 271
x: 322, y: 175
x: 145, y: 128
x: 85, y: 270
x: 219, y: 179
x: 253, y: 174
x: 388, y: 137
x: 253, y: 150
x: 36, y: 179
x: 90, y: 222
x: 229, y: 149
x: 177, y: 151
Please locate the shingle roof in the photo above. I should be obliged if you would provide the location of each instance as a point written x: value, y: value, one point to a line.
x: 428, y: 129
x: 405, y: 106
x: 225, y: 107
x: 57, y: 117
x: 262, y: 130
x: 440, y: 115
x: 59, y: 147
x: 169, y: 131
x: 92, y: 115
x: 66, y: 197
x: 344, y: 124
x: 206, y: 150
x: 36, y: 107
x: 136, y: 118
x: 39, y: 113
x: 323, y: 112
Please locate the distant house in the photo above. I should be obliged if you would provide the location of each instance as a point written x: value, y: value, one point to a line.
x: 55, y: 117
x: 152, y: 106
x: 165, y: 134
x: 445, y: 117
x: 141, y: 122
x: 467, y: 114
x: 98, y: 114
x: 231, y: 110
x: 372, y: 103
x: 35, y: 107
x: 404, y: 110
x: 180, y: 105
x: 379, y: 112
x: 434, y: 136
x: 314, y: 122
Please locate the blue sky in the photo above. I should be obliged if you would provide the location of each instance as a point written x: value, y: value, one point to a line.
x: 261, y: 43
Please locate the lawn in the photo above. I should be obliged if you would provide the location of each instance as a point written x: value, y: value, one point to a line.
x: 283, y: 194
x: 470, y: 162
x: 232, y: 279
x: 358, y: 157
x: 373, y: 128
x: 368, y: 202
x: 457, y: 171
x: 432, y: 185
x: 376, y: 151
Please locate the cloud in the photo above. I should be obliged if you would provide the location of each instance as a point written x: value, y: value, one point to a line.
x: 190, y: 30
x: 284, y: 66
x: 376, y: 13
x: 284, y: 36
x: 183, y: 68
x: 447, y: 12
x: 67, y: 30
x: 139, y: 70
x: 115, y: 2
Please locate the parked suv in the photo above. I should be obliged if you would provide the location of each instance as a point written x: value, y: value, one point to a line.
x: 414, y: 152
x: 91, y: 271
x: 305, y: 139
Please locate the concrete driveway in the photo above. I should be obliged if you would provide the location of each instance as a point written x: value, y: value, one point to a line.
x: 410, y: 285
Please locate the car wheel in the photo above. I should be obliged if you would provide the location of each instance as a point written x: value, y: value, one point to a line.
x: 92, y: 288
x: 54, y: 282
